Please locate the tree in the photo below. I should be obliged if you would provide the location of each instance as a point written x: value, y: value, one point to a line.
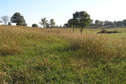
x: 5, y: 19
x: 119, y: 23
x: 72, y: 23
x: 98, y: 23
x: 47, y: 25
x: 34, y: 25
x: 52, y: 23
x: 44, y: 22
x: 24, y: 24
x: 114, y: 23
x: 82, y: 19
x: 124, y: 22
x: 66, y: 25
x: 18, y: 19
x: 109, y: 23
x: 9, y: 23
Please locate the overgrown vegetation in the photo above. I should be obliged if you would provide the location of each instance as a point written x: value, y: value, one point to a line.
x: 105, y: 31
x: 40, y: 56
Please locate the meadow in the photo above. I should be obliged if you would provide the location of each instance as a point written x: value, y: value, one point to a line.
x: 61, y: 56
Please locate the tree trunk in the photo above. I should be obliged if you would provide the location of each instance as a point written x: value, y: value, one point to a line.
x: 81, y: 30
x: 73, y: 29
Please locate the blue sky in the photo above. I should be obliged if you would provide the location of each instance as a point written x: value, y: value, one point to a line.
x: 61, y: 10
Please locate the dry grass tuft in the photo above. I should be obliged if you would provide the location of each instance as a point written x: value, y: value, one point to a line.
x: 10, y: 50
x: 2, y: 78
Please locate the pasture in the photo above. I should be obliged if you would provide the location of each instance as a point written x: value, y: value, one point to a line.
x: 61, y: 56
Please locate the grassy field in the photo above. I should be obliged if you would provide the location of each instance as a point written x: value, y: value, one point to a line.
x: 60, y: 56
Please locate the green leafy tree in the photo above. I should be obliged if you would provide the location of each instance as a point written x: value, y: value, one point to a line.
x: 34, y: 25
x: 82, y: 19
x: 52, y: 23
x: 44, y: 22
x: 72, y: 23
x: 47, y: 25
x: 18, y: 19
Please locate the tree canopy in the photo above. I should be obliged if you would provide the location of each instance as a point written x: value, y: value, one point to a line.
x: 34, y: 25
x: 80, y: 19
x: 44, y: 22
x: 18, y: 19
x: 72, y: 23
x: 52, y: 23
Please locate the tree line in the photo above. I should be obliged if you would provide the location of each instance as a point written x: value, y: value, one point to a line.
x: 110, y: 23
x: 19, y: 20
x: 80, y: 19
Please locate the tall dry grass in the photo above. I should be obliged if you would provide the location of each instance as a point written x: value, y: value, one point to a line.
x: 61, y: 56
x: 13, y: 39
x: 97, y: 46
x: 92, y: 45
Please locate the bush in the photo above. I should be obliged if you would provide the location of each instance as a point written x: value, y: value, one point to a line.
x: 34, y: 25
x: 105, y: 31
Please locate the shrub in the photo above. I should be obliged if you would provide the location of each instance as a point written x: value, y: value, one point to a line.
x: 34, y: 25
x: 105, y: 31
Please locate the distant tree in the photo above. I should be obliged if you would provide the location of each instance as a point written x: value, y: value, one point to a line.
x: 119, y: 23
x: 1, y: 22
x: 98, y: 23
x: 56, y: 26
x: 60, y: 26
x: 24, y: 24
x: 82, y: 19
x: 124, y: 22
x: 34, y: 25
x: 66, y: 25
x: 52, y: 23
x: 114, y: 23
x: 109, y: 23
x: 47, y: 25
x: 9, y: 23
x: 72, y: 23
x: 44, y: 22
x: 5, y: 19
x: 91, y: 21
x: 18, y: 19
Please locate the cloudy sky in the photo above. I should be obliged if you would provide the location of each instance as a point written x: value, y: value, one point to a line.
x: 61, y: 10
